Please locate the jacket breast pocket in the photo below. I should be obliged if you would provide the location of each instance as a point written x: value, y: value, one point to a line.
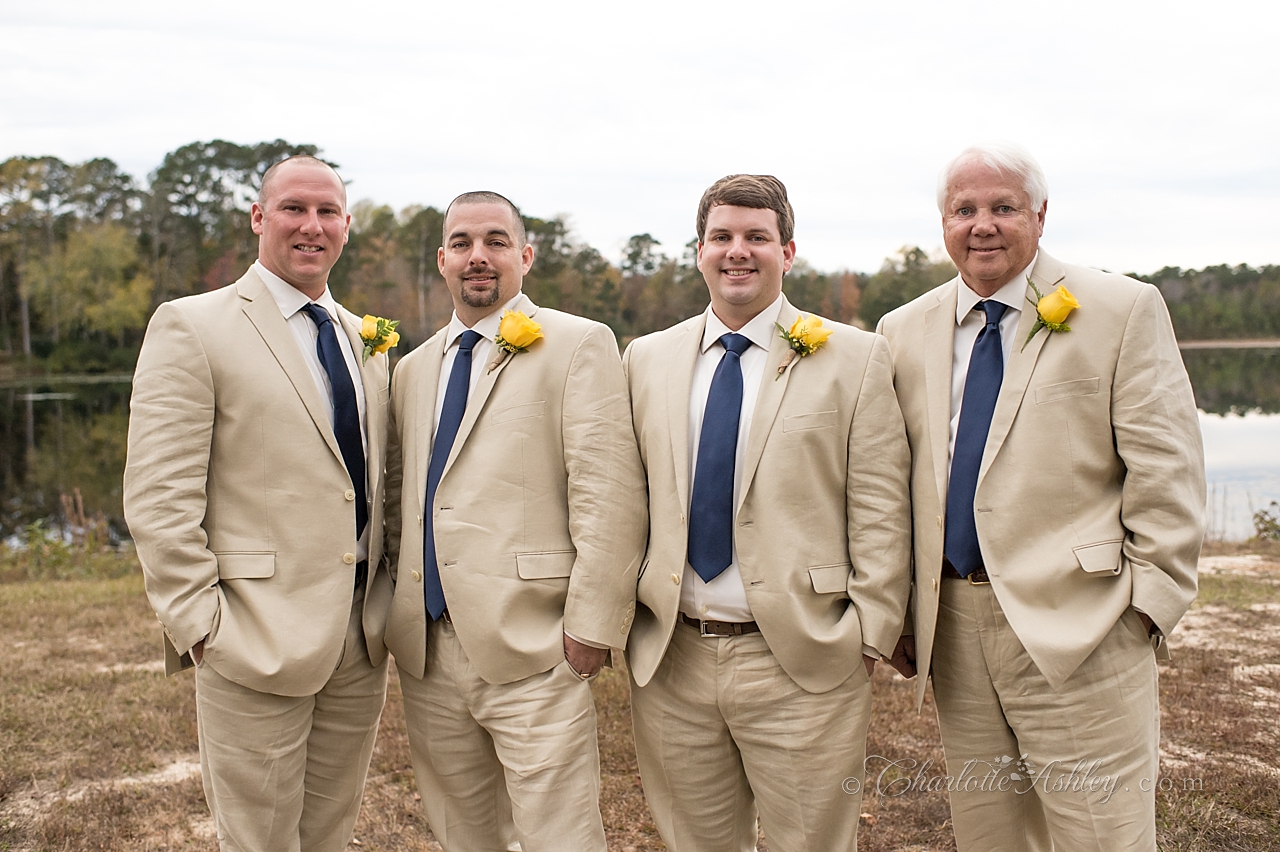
x: 246, y: 566
x: 1065, y: 390
x: 551, y: 565
x: 813, y: 420
x: 830, y: 579
x: 519, y: 412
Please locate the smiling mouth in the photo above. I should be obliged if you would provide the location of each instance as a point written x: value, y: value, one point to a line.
x: 738, y: 273
x: 309, y: 249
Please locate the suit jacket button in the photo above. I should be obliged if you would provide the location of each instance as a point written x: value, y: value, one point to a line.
x: 675, y: 578
x: 935, y: 584
x: 350, y: 495
x: 417, y: 576
x: 939, y: 522
x: 349, y: 558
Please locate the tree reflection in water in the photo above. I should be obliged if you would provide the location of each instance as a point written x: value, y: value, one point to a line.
x: 56, y: 437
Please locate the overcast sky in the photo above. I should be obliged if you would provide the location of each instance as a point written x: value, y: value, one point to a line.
x: 1158, y: 123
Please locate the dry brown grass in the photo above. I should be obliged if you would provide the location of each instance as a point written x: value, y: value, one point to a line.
x: 97, y: 748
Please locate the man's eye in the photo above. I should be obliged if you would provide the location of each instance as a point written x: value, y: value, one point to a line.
x: 1004, y: 208
x: 964, y: 211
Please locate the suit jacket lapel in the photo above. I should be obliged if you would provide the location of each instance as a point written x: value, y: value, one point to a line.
x: 769, y: 400
x: 479, y: 395
x: 679, y: 386
x: 265, y: 315
x: 939, y: 337
x: 423, y: 397
x: 1017, y: 374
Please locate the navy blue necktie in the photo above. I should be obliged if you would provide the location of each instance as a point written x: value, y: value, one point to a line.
x: 455, y: 405
x: 981, y: 388
x: 711, y: 508
x: 346, y: 412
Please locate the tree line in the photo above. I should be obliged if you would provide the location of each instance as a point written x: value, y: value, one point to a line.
x: 88, y: 251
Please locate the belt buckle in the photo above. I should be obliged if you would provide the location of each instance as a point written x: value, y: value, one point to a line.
x: 702, y: 631
x: 984, y: 582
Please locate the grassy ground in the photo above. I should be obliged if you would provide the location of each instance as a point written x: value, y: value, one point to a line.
x: 97, y: 748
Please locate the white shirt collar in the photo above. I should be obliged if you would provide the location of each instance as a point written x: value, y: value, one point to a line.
x: 1013, y: 294
x: 289, y: 298
x: 486, y: 326
x: 760, y: 330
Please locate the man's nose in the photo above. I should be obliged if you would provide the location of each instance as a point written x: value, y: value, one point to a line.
x: 738, y: 247
x: 311, y: 223
x: 984, y: 222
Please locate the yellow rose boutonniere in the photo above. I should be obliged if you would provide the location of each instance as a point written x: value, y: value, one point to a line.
x: 1051, y: 310
x: 379, y: 335
x: 805, y: 337
x: 516, y: 333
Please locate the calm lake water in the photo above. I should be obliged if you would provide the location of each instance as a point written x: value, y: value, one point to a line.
x: 56, y: 437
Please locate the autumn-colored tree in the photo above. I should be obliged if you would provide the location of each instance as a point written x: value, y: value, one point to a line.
x: 908, y: 274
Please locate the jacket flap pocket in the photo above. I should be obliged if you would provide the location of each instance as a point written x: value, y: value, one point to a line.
x: 245, y: 566
x: 545, y: 566
x: 519, y: 412
x: 815, y: 420
x: 1062, y: 390
x: 1101, y: 558
x: 827, y: 579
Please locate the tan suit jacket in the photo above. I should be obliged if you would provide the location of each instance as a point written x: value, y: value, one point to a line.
x: 823, y: 519
x: 1091, y: 492
x: 539, y: 516
x: 237, y: 496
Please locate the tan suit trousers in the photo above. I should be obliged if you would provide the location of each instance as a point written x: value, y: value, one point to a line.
x: 499, y: 763
x: 721, y: 731
x: 1091, y: 747
x: 286, y: 774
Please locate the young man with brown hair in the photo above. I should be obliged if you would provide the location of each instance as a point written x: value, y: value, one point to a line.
x: 779, y: 545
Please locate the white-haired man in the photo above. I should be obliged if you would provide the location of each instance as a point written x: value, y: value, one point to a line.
x: 1058, y: 496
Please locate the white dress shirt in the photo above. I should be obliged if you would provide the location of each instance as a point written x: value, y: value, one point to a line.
x: 969, y: 321
x: 725, y: 598
x: 291, y: 301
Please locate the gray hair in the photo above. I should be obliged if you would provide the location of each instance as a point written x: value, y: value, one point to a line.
x: 1006, y: 157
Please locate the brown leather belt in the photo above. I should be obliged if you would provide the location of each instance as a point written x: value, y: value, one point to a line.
x: 976, y: 578
x: 720, y: 628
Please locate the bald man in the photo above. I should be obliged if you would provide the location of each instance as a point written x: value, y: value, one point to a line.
x: 253, y: 490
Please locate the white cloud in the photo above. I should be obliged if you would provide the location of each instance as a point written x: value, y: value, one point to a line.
x: 1154, y: 121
